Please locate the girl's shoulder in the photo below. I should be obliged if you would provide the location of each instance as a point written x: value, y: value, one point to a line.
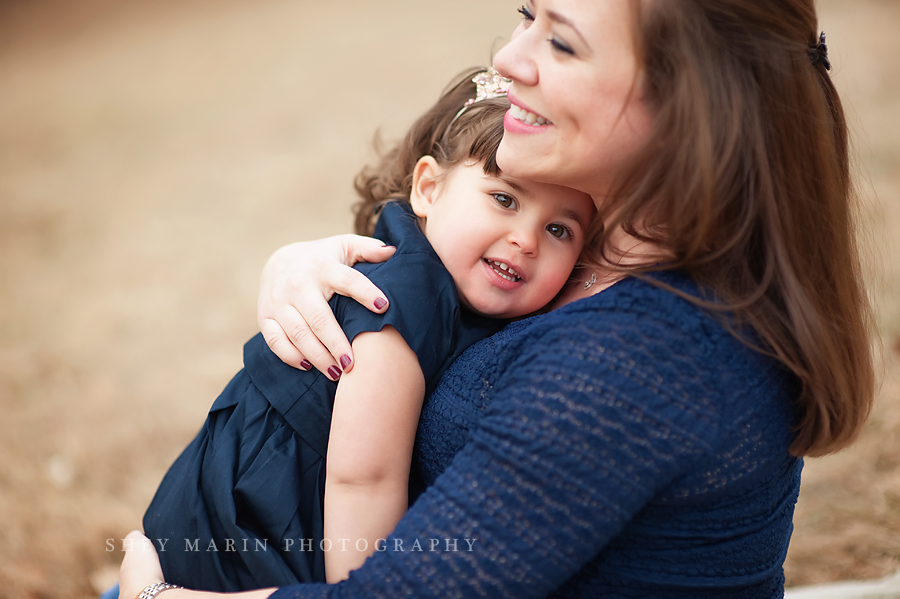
x: 415, y: 271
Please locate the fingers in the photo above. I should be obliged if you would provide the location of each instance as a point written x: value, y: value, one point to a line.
x: 293, y: 345
x: 352, y: 283
x: 318, y: 336
x: 366, y: 249
x: 140, y: 566
x: 281, y: 345
x: 297, y: 281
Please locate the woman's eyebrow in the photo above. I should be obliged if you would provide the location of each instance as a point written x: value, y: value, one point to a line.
x: 555, y: 16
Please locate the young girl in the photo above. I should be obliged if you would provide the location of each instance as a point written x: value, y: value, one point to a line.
x: 248, y: 503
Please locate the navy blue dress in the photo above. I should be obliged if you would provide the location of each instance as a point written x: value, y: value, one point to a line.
x: 241, y: 507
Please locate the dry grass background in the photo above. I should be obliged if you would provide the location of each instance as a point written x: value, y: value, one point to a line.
x: 153, y: 154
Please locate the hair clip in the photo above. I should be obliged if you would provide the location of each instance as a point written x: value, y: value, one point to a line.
x: 488, y: 84
x: 819, y: 53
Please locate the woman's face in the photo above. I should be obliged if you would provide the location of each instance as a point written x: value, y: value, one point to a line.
x: 577, y: 110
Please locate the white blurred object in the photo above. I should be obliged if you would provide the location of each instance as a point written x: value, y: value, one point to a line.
x: 886, y: 588
x: 60, y: 471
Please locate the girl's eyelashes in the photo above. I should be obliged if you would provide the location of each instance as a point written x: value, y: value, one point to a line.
x: 560, y: 231
x: 505, y: 200
x: 560, y: 46
x: 526, y: 14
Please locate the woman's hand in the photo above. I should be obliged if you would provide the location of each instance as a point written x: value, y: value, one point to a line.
x: 140, y: 567
x: 296, y: 284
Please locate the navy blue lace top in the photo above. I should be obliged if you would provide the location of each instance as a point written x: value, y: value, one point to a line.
x: 625, y: 445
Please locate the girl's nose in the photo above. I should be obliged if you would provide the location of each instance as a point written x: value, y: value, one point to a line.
x: 513, y: 61
x: 525, y: 241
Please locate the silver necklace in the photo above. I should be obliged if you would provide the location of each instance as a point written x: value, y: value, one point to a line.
x: 590, y: 282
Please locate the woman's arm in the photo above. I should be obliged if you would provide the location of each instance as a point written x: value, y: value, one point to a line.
x: 296, y: 284
x: 373, y: 429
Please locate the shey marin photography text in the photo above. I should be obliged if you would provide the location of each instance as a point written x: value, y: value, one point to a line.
x: 255, y: 544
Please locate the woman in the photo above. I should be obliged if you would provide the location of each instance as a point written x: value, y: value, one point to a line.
x: 643, y: 441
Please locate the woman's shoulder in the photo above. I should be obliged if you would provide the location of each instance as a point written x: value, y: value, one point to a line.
x: 648, y: 331
x: 659, y: 304
x: 640, y: 355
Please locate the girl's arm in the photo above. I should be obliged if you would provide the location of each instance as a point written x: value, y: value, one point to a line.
x: 373, y: 429
x: 296, y: 284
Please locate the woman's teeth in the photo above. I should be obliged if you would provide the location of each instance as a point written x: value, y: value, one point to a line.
x: 503, y: 269
x: 529, y: 118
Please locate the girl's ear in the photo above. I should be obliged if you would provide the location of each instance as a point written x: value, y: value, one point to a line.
x: 425, y: 185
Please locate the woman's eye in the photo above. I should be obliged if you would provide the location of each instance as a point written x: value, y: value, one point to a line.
x: 560, y: 46
x: 526, y: 14
x: 504, y: 200
x: 559, y: 231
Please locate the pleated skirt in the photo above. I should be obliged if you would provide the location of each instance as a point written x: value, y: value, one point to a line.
x: 242, y: 506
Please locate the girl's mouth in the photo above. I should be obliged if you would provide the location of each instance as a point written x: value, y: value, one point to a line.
x: 503, y: 270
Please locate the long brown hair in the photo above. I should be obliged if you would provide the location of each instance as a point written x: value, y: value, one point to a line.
x: 746, y: 182
x: 444, y: 133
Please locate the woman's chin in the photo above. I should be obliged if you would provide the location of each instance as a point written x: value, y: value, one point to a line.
x: 518, y: 162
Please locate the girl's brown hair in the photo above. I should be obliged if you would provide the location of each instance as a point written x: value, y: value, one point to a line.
x: 746, y: 182
x: 444, y: 133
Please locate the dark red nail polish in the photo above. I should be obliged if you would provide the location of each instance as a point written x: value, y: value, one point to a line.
x: 380, y: 303
x: 306, y: 365
x: 334, y: 373
x: 345, y: 361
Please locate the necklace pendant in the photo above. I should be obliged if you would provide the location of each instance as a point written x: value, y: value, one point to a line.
x: 590, y: 282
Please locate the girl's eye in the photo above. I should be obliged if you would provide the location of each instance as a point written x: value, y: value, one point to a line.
x: 560, y: 46
x: 526, y: 14
x: 505, y: 200
x: 559, y: 231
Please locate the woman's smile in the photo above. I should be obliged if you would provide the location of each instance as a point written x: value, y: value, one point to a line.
x: 529, y: 118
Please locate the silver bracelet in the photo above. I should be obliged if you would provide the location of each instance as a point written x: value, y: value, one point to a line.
x: 151, y: 591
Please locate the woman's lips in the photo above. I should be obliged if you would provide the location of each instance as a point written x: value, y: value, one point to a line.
x: 525, y: 115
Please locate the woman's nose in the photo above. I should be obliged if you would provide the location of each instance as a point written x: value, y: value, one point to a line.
x: 513, y: 60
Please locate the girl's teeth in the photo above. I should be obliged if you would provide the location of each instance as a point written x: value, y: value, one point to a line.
x: 513, y: 275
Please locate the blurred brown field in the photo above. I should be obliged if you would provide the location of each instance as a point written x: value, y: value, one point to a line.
x: 153, y: 154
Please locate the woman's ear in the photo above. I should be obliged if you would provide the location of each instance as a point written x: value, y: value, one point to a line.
x: 425, y: 185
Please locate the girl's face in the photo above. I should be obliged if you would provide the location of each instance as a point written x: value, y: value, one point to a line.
x: 577, y: 110
x: 509, y: 244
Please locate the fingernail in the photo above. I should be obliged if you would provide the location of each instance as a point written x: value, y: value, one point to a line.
x: 380, y: 303
x: 345, y: 361
x: 334, y: 373
x: 387, y: 246
x: 306, y: 365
